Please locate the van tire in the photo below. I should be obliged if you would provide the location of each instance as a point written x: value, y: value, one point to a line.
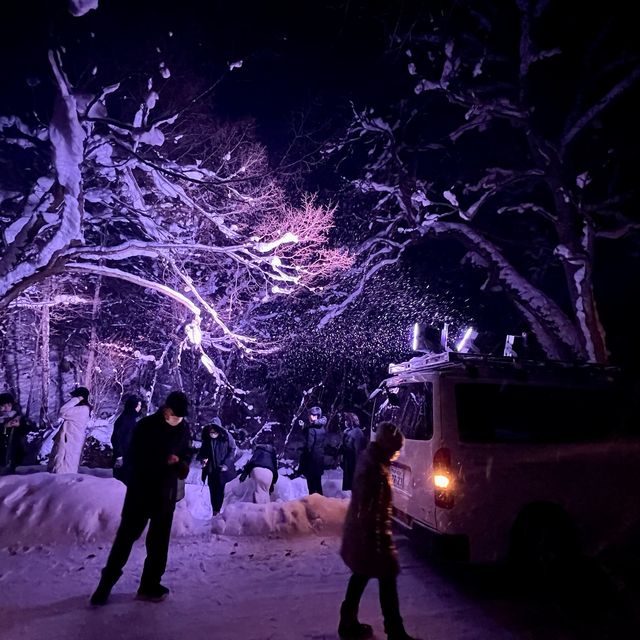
x: 544, y: 545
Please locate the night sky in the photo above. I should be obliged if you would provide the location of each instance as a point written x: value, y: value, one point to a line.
x: 300, y: 59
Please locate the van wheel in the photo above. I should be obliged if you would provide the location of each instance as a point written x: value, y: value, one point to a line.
x: 544, y: 544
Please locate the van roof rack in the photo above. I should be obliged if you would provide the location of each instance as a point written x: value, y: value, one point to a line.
x: 455, y: 358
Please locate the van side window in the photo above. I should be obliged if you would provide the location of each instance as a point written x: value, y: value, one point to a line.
x: 518, y: 413
x: 411, y: 408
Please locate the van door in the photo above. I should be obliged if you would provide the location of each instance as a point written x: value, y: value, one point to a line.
x: 410, y: 407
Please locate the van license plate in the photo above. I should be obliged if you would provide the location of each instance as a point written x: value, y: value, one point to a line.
x: 401, y: 478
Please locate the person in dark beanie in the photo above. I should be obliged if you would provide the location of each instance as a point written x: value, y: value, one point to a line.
x: 367, y: 546
x: 159, y: 455
x: 121, y: 437
x: 217, y: 455
x: 311, y: 464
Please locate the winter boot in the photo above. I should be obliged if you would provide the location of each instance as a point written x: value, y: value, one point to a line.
x: 101, y: 594
x: 350, y: 628
x: 153, y: 593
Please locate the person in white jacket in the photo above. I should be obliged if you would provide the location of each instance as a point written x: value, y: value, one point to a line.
x: 69, y: 441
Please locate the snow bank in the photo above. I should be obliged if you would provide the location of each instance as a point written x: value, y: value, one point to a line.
x: 45, y: 508
x: 311, y: 514
x: 39, y: 508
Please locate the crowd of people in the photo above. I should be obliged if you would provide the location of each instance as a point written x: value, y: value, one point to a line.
x: 152, y: 456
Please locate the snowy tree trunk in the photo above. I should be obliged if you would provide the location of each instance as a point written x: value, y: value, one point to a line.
x: 93, y: 340
x: 576, y: 252
x: 45, y: 360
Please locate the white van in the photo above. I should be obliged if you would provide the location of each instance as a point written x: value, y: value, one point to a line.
x: 507, y: 457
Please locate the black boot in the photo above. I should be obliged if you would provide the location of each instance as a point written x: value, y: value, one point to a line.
x: 350, y: 628
x: 153, y: 593
x: 101, y: 594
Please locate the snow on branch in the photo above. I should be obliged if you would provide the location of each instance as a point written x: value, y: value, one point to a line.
x: 595, y: 110
x: 138, y: 280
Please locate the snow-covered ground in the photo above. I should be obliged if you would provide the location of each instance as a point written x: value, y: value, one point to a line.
x: 255, y: 572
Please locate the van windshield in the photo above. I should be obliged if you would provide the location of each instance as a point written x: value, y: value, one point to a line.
x: 538, y: 414
x: 410, y: 407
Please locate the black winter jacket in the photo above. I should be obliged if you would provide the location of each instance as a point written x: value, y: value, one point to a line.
x: 123, y: 429
x: 264, y: 456
x: 312, y: 456
x: 153, y: 482
x: 218, y: 452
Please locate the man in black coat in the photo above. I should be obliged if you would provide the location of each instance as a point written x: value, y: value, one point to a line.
x: 158, y: 456
x: 311, y: 464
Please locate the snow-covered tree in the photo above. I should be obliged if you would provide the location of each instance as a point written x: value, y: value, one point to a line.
x: 512, y: 135
x: 123, y: 198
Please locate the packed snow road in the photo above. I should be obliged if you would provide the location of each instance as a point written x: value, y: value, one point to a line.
x: 260, y: 572
x: 259, y: 589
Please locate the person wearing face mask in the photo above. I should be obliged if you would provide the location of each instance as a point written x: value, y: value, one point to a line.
x: 159, y: 455
x: 217, y: 455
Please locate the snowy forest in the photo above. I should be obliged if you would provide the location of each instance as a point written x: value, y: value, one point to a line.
x: 257, y: 214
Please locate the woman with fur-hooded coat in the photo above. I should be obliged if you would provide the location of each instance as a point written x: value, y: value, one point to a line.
x: 69, y: 441
x: 367, y: 544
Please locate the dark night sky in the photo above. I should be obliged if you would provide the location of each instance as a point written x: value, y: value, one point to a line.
x: 294, y: 53
x: 298, y: 56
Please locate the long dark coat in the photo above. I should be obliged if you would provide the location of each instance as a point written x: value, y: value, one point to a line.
x: 312, y: 456
x: 354, y: 442
x: 123, y: 428
x: 367, y: 544
x: 152, y: 481
x: 121, y: 437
